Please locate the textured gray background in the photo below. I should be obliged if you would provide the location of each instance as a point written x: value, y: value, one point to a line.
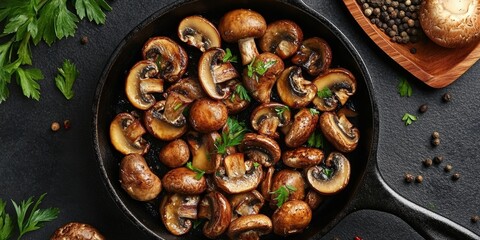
x: 34, y: 160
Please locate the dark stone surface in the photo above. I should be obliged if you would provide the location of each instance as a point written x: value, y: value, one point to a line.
x: 35, y: 160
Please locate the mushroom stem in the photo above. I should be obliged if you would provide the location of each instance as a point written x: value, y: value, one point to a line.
x: 235, y: 165
x: 269, y: 126
x: 248, y: 50
x: 151, y: 85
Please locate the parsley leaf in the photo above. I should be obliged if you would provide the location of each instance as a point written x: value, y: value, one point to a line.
x: 28, y: 79
x: 256, y: 164
x: 313, y: 111
x: 92, y: 9
x: 199, y: 172
x: 242, y: 93
x: 35, y: 217
x: 6, y: 226
x: 259, y: 68
x: 408, y: 118
x: 65, y: 78
x: 324, y: 93
x: 404, y: 88
x: 282, y: 194
x: 229, y: 57
x: 327, y: 172
x: 315, y: 140
x: 231, y: 136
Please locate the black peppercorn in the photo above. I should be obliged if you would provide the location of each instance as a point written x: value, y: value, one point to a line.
x: 419, y: 179
x: 456, y: 176
x: 427, y: 162
x: 84, y: 40
x: 447, y: 97
x: 438, y: 159
x: 448, y: 168
x: 409, y: 178
x: 423, y: 108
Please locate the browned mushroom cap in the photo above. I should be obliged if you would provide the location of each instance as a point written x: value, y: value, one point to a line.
x: 451, y: 24
x: 314, y: 56
x: 237, y: 175
x: 201, y: 147
x: 184, y: 181
x: 331, y: 176
x: 176, y: 210
x: 212, y: 71
x: 243, y: 26
x: 266, y: 184
x: 302, y: 127
x: 268, y: 116
x: 174, y: 154
x: 335, y: 86
x: 137, y: 179
x: 282, y: 37
x: 339, y: 131
x: 207, y: 115
x: 261, y: 149
x: 167, y: 123
x: 188, y: 87
x: 302, y: 157
x: 293, y: 89
x: 292, y: 217
x: 76, y: 230
x: 260, y: 85
x: 290, y: 179
x: 199, y: 32
x: 126, y: 134
x: 237, y: 101
x: 249, y: 227
x: 218, y: 211
x: 247, y: 203
x: 141, y: 82
x: 170, y: 57
x: 313, y: 199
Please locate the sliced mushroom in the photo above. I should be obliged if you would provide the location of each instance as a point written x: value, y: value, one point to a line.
x: 218, y: 211
x: 176, y: 210
x: 339, y: 84
x: 126, y: 133
x: 314, y: 56
x: 331, y: 176
x: 174, y: 154
x: 141, y: 82
x: 163, y: 127
x: 201, y: 147
x: 303, y: 125
x: 266, y: 184
x: 188, y: 87
x: 302, y: 157
x: 247, y: 203
x: 282, y: 37
x: 169, y: 56
x: 292, y: 217
x: 261, y: 149
x: 339, y: 131
x: 260, y: 83
x: 237, y: 175
x: 237, y: 101
x: 137, y: 179
x: 243, y: 26
x: 207, y: 115
x: 184, y: 181
x: 199, y: 32
x: 212, y: 71
x: 76, y: 230
x: 249, y: 227
x: 290, y: 179
x: 293, y: 89
x: 268, y: 116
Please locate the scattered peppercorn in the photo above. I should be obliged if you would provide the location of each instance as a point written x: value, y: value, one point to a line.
x: 435, y: 134
x: 419, y: 179
x: 427, y: 162
x: 413, y: 50
x: 447, y: 97
x: 438, y: 159
x: 456, y: 176
x: 66, y: 124
x: 423, y: 108
x: 436, y: 142
x: 447, y: 168
x: 84, y: 40
x: 409, y: 178
x: 475, y: 219
x: 55, y: 126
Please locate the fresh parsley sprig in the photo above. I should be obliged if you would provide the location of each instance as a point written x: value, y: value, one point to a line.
x: 258, y: 68
x: 327, y: 172
x: 404, y: 88
x: 315, y: 140
x: 231, y: 136
x: 324, y: 93
x: 29, y: 22
x: 28, y: 218
x: 282, y: 194
x: 409, y: 118
x: 199, y: 172
x: 65, y: 78
x: 229, y: 57
x: 242, y: 93
x: 281, y: 109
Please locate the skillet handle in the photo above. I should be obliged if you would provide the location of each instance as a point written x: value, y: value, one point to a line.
x: 377, y: 195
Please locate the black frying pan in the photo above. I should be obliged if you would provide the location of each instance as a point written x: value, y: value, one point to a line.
x: 366, y: 190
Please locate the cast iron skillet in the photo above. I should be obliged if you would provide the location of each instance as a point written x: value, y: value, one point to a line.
x: 366, y: 190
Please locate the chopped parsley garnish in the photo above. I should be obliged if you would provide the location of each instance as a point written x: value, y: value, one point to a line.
x: 282, y: 194
x: 258, y: 68
x: 404, y: 88
x: 199, y: 172
x: 231, y: 136
x: 328, y: 172
x: 177, y: 106
x: 409, y: 118
x: 65, y: 78
x: 282, y: 109
x: 315, y: 140
x: 242, y: 92
x: 324, y: 93
x: 229, y: 57
x: 313, y: 111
